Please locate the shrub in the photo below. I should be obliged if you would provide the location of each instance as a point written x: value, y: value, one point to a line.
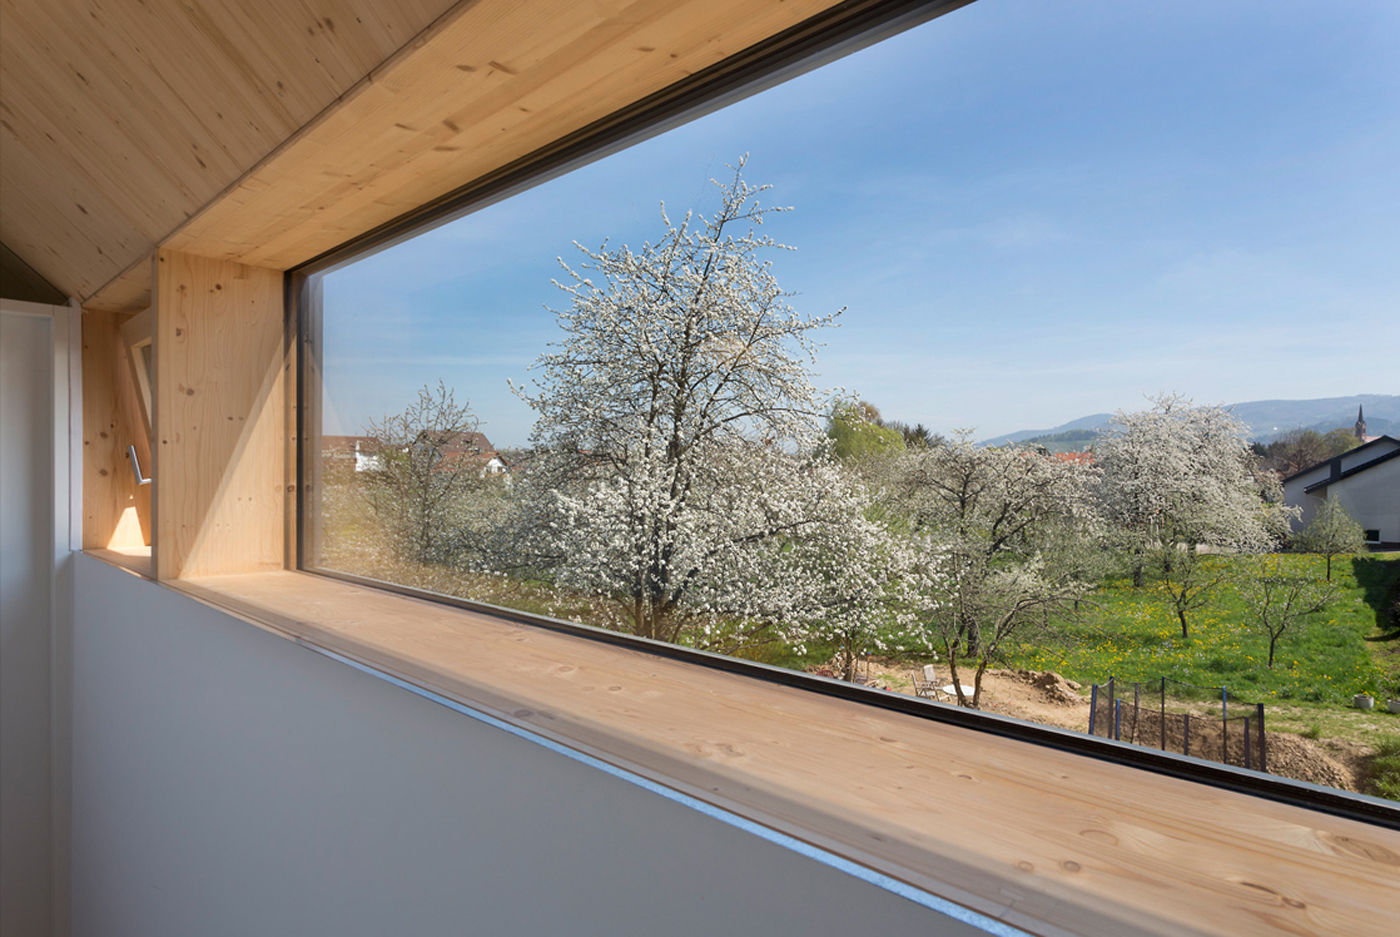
x: 1385, y: 768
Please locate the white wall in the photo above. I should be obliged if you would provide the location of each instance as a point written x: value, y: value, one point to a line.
x: 1373, y: 498
x: 26, y: 551
x: 227, y: 781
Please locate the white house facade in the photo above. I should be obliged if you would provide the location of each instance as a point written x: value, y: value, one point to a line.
x: 1365, y: 481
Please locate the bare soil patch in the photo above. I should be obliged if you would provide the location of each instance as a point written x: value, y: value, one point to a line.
x: 1049, y: 699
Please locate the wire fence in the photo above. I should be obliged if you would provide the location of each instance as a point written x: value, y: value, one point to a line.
x: 1207, y: 722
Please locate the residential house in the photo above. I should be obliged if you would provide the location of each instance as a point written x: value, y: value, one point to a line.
x: 1364, y: 480
x: 471, y: 448
x: 350, y: 455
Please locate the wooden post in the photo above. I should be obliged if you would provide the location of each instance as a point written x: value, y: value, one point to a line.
x: 223, y: 372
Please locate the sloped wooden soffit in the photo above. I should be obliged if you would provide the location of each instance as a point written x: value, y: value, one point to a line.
x: 120, y: 120
x: 257, y: 132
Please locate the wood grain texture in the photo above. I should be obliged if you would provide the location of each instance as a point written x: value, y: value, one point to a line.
x: 123, y: 119
x: 129, y: 292
x: 1050, y: 841
x: 267, y: 132
x: 116, y: 511
x: 492, y: 84
x: 220, y: 417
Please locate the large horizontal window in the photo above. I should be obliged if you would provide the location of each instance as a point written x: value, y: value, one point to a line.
x: 997, y: 364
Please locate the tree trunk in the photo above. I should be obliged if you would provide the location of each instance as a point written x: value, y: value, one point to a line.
x: 1329, y: 567
x: 1273, y: 640
x: 848, y: 661
x: 1181, y: 616
x: 977, y: 685
x: 957, y: 683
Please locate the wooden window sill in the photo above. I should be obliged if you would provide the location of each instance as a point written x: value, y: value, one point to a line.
x: 132, y: 559
x: 1041, y: 839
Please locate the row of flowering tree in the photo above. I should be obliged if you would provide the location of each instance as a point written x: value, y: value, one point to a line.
x: 679, y: 474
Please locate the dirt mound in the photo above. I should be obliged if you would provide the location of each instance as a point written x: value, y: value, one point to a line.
x: 1292, y: 756
x: 1053, y: 687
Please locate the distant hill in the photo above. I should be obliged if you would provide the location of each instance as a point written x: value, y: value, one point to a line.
x: 1266, y: 419
x: 1092, y: 423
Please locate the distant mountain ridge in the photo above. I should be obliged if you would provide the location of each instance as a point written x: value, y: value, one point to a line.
x: 1266, y: 419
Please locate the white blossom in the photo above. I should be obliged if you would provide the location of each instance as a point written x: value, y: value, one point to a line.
x: 1179, y: 474
x: 680, y: 470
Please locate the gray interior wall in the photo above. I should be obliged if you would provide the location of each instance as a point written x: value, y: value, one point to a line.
x: 227, y: 781
x: 26, y: 541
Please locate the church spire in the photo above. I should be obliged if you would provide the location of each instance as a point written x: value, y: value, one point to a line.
x: 1360, y: 428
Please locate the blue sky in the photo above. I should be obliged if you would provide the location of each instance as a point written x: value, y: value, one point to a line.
x: 1030, y: 211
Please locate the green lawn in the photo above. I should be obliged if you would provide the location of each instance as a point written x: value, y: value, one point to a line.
x: 1133, y: 634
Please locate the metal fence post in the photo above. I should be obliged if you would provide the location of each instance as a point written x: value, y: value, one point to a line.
x: 1093, y: 705
x: 1112, y: 696
x: 1263, y: 751
x: 1186, y: 735
x: 1224, y: 727
x: 1162, y: 699
x: 1118, y: 720
x: 1137, y: 709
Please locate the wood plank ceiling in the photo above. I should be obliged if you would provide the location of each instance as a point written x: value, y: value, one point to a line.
x: 269, y: 131
x: 121, y: 119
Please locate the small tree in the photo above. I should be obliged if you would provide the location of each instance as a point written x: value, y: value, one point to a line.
x: 1278, y: 601
x: 997, y: 521
x: 854, y: 587
x: 1331, y: 532
x: 1189, y: 584
x: 416, y: 492
x: 857, y: 432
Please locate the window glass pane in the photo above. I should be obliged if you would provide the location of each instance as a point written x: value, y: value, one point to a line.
x: 1041, y: 398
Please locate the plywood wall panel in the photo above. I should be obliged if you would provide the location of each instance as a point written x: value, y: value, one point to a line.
x: 222, y: 372
x: 116, y: 510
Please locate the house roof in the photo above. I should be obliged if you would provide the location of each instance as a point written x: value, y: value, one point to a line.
x: 1082, y: 458
x: 347, y: 444
x: 463, y: 443
x: 1354, y: 470
x: 1370, y: 441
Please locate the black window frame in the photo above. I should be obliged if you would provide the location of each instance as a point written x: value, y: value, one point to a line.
x: 839, y: 31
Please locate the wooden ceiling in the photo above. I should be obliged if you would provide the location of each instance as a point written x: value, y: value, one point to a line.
x: 120, y: 119
x: 270, y: 131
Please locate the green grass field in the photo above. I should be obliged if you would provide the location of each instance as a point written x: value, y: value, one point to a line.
x: 1132, y: 633
x: 1121, y: 631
